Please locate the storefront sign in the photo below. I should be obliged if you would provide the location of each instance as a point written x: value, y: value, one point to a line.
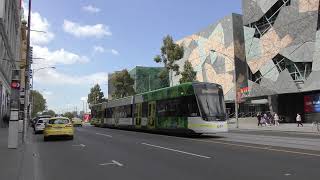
x: 312, y: 103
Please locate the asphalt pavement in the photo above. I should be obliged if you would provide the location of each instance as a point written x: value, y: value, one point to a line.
x: 98, y: 153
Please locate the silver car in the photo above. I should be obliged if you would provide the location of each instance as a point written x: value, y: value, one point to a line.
x: 40, y: 125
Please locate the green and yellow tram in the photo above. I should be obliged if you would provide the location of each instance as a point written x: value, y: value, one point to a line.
x: 190, y: 107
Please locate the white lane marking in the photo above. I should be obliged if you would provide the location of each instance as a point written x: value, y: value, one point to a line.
x: 80, y: 145
x: 106, y: 135
x: 287, y: 174
x: 113, y: 162
x: 183, y: 152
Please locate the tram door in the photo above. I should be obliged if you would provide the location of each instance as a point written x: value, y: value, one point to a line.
x: 152, y: 115
x: 138, y: 115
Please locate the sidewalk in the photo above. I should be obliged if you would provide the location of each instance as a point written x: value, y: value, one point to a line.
x: 252, y: 124
x: 10, y: 159
x: 15, y: 164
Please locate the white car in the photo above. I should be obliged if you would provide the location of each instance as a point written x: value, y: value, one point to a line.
x: 40, y: 125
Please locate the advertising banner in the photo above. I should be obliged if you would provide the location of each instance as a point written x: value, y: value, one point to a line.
x: 86, y: 117
x: 312, y: 103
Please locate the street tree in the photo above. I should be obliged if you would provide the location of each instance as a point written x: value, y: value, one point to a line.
x: 170, y: 54
x: 49, y: 112
x: 39, y: 102
x: 96, y: 95
x: 188, y: 74
x: 69, y: 115
x: 123, y: 84
x: 164, y: 78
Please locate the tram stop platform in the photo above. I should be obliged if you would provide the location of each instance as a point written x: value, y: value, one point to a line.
x: 252, y: 124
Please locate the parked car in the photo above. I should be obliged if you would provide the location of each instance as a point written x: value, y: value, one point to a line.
x: 34, y: 120
x: 40, y: 125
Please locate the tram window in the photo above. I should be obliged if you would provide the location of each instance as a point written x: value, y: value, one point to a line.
x: 191, y: 106
x: 128, y: 111
x: 144, y: 109
x: 149, y: 109
x: 136, y: 110
x: 161, y: 108
x: 183, y: 106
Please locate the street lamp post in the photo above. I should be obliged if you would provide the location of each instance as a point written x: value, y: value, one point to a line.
x: 33, y: 74
x: 36, y: 70
x: 26, y: 85
x: 235, y: 88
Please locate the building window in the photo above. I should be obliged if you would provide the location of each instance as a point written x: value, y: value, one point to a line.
x: 266, y: 22
x: 299, y: 71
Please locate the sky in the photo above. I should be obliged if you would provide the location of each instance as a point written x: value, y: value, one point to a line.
x: 87, y: 39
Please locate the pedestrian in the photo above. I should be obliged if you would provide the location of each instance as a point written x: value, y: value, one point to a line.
x: 259, y: 119
x: 276, y: 119
x: 270, y: 119
x: 6, y: 120
x: 265, y: 119
x: 299, y: 120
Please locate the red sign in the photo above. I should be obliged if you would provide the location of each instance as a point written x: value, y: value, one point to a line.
x: 15, y: 85
x: 312, y: 103
x: 86, y: 117
x: 244, y: 90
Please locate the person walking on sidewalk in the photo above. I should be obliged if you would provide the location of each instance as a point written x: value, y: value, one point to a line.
x: 259, y: 119
x: 264, y: 119
x: 276, y: 119
x: 299, y: 120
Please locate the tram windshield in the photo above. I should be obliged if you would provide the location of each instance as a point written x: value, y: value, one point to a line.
x: 211, y: 102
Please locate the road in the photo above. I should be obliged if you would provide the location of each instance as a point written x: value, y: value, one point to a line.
x: 98, y: 153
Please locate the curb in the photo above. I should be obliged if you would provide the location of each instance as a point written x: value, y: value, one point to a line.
x: 274, y: 130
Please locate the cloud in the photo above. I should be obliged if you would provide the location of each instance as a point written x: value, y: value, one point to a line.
x: 91, y: 9
x: 115, y: 52
x: 46, y: 94
x: 53, y: 77
x: 59, y: 56
x: 77, y: 30
x: 98, y: 49
x: 40, y: 24
x: 84, y: 98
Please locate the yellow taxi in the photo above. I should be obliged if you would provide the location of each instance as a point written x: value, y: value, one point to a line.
x: 77, y: 122
x: 58, y: 126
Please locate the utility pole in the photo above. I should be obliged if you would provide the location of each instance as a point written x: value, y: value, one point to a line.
x: 83, y: 106
x: 26, y: 90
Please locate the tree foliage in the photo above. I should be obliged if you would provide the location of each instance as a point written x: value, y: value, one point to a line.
x: 170, y: 53
x: 188, y: 74
x: 49, y: 112
x: 39, y: 103
x: 164, y: 78
x: 123, y: 84
x: 96, y: 95
x: 69, y: 115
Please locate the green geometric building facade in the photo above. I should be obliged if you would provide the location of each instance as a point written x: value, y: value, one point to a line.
x: 147, y: 79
